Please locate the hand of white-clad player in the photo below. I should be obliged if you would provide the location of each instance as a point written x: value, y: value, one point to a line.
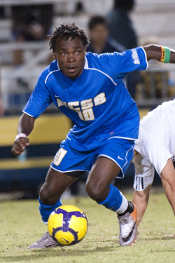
x: 20, y: 145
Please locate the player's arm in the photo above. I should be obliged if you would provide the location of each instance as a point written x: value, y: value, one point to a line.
x: 160, y: 53
x: 140, y: 199
x: 25, y: 126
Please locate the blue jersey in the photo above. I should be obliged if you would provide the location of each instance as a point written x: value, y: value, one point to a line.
x: 97, y: 101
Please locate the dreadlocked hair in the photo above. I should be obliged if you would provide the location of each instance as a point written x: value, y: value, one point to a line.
x: 66, y: 31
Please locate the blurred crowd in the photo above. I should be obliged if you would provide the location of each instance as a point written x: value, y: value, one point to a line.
x: 110, y: 32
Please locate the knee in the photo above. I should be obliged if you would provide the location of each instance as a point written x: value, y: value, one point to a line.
x: 172, y: 186
x: 43, y: 194
x: 46, y: 197
x: 97, y: 192
x: 142, y: 196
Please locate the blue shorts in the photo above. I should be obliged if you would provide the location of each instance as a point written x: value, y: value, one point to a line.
x: 68, y: 159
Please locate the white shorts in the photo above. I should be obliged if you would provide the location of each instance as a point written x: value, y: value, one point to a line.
x: 144, y: 168
x: 144, y: 173
x: 156, y: 144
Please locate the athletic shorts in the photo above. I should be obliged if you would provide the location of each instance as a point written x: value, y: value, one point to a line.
x: 155, y: 154
x: 155, y: 144
x: 68, y: 159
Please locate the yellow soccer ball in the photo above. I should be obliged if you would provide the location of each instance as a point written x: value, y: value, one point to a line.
x: 67, y: 225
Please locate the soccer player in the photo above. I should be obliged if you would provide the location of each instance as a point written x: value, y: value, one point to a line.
x: 88, y: 88
x: 155, y: 148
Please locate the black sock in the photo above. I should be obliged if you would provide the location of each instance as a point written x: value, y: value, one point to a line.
x: 129, y: 209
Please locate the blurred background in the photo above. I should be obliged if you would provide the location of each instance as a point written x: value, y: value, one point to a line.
x: 112, y: 25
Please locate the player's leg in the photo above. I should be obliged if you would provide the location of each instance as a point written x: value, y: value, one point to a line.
x: 100, y: 177
x: 54, y: 186
x: 168, y: 181
x: 140, y: 199
x: 67, y: 166
x: 144, y: 176
x: 160, y: 156
x: 62, y: 173
x: 99, y: 187
x: 49, y: 199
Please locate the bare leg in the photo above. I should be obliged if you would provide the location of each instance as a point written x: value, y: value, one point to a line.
x: 101, y: 190
x: 100, y: 177
x: 140, y: 199
x: 55, y: 184
x: 168, y: 181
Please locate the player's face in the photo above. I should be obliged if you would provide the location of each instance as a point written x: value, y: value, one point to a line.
x: 70, y: 55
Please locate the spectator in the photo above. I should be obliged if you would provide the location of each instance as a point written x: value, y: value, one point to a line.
x: 120, y: 24
x: 31, y: 23
x: 99, y: 36
x: 79, y: 9
x: 121, y: 29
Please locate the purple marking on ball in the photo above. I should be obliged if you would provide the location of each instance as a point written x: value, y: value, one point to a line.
x: 67, y: 217
x: 66, y: 220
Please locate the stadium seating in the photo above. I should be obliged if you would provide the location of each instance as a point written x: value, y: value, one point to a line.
x: 150, y: 18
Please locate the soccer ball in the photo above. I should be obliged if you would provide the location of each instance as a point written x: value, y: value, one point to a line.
x: 67, y: 225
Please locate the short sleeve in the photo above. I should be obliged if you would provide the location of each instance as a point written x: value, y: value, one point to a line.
x: 39, y: 99
x: 119, y: 64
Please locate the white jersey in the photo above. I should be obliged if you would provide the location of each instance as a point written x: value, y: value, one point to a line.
x: 155, y: 144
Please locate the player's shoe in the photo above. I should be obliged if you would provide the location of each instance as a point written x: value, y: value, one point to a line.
x: 44, y: 242
x: 128, y: 228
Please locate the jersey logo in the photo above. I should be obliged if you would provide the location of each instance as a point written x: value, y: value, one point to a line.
x: 84, y: 108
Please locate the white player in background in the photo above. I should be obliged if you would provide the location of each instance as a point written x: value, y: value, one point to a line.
x: 155, y: 149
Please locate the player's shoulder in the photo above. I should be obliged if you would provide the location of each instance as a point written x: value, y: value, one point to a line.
x: 99, y: 60
x: 53, y: 67
x: 98, y: 57
x: 92, y: 56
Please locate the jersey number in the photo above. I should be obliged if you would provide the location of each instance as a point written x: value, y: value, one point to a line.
x: 84, y: 108
x: 59, y: 156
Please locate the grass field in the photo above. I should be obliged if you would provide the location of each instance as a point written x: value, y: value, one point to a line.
x: 20, y: 225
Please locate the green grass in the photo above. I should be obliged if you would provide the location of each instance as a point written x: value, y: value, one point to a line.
x: 20, y: 226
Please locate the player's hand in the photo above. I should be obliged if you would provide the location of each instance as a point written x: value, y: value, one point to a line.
x: 20, y: 145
